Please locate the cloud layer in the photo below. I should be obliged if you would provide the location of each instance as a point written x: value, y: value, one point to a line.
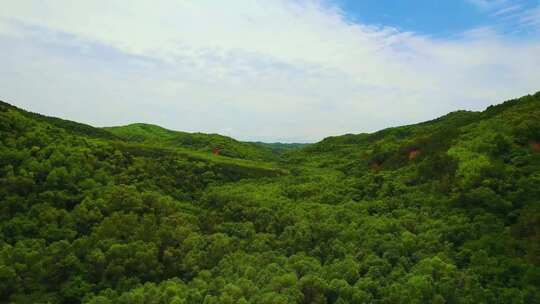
x: 256, y: 70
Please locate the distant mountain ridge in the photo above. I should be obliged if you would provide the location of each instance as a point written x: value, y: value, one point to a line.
x: 154, y: 134
x: 210, y: 143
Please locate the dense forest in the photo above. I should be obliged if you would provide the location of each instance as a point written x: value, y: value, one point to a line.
x: 445, y: 211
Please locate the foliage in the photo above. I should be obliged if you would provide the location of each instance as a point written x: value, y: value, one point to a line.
x: 222, y: 145
x: 446, y: 211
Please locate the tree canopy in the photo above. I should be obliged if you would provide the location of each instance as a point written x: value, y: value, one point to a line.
x: 446, y: 211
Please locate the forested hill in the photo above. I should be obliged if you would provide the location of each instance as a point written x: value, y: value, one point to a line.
x: 446, y: 211
x: 155, y: 136
x: 215, y: 143
x: 391, y: 148
x: 67, y: 125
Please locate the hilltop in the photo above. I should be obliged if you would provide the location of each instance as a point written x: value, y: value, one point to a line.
x: 215, y: 143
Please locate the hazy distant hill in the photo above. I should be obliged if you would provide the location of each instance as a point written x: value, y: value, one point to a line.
x: 226, y: 146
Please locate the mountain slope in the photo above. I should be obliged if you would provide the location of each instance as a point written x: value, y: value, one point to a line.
x: 392, y: 147
x: 211, y: 143
x: 446, y: 211
x: 70, y: 126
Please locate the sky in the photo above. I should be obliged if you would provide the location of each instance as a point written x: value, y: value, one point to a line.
x: 280, y: 70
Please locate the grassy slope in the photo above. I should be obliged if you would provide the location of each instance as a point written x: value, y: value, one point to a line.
x: 155, y: 135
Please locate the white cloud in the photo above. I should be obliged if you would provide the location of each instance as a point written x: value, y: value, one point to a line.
x: 519, y: 16
x: 489, y: 4
x: 508, y: 10
x: 279, y: 70
x: 531, y: 18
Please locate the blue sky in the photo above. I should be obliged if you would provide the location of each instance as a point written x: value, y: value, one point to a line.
x: 443, y: 18
x: 281, y: 70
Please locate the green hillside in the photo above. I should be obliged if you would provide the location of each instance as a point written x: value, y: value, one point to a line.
x: 445, y: 211
x: 70, y: 126
x: 225, y: 146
